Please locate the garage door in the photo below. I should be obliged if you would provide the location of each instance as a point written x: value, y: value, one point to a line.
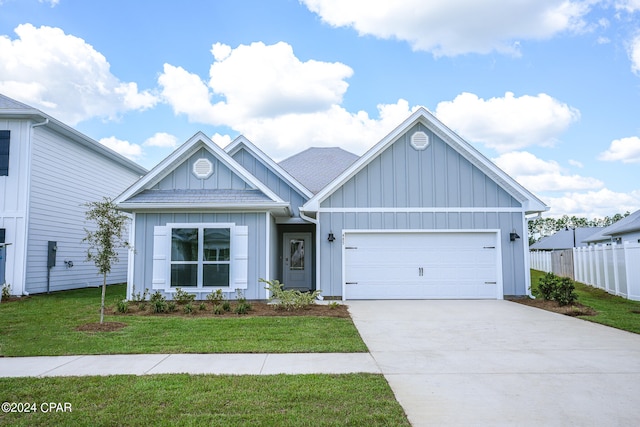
x: 422, y: 265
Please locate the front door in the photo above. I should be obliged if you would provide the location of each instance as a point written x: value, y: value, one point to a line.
x: 296, y: 259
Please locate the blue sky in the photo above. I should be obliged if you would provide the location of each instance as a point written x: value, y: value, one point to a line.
x: 548, y: 89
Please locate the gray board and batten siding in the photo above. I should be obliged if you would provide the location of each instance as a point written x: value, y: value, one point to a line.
x: 432, y: 189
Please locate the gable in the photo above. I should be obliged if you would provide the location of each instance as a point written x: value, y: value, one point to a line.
x: 183, y: 177
x: 436, y: 176
x: 440, y: 170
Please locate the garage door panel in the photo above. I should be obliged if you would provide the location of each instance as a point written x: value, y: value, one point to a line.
x: 421, y: 265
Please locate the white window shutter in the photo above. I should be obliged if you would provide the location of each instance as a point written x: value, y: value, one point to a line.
x: 240, y: 267
x: 161, y: 250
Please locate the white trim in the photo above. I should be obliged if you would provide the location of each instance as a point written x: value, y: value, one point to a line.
x: 131, y: 259
x: 497, y: 232
x: 419, y: 210
x: 527, y: 257
x: 193, y: 207
x: 242, y: 142
x: 267, y: 251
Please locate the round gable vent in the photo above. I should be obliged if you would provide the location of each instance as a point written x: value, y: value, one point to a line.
x: 203, y: 168
x: 419, y: 140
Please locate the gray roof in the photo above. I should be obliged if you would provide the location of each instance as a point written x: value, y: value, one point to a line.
x: 564, y: 239
x: 316, y: 167
x: 220, y: 197
x: 7, y: 103
x: 627, y: 224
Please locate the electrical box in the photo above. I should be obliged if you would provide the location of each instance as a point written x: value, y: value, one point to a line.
x: 52, y: 248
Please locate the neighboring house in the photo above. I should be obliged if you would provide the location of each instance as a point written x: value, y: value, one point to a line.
x: 626, y: 229
x: 47, y: 172
x: 555, y: 253
x: 566, y: 238
x: 422, y: 214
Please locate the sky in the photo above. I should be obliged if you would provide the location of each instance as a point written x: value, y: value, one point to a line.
x: 547, y: 89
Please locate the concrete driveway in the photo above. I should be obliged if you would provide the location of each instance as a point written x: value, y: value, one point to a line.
x: 500, y: 363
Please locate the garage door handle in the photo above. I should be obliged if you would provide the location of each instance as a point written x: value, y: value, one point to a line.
x: 351, y: 247
x: 351, y: 283
x: 490, y: 283
x: 489, y: 247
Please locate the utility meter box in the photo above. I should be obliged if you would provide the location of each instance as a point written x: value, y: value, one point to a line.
x: 52, y: 248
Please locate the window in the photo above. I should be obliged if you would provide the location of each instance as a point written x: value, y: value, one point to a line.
x: 200, y: 256
x: 4, y: 152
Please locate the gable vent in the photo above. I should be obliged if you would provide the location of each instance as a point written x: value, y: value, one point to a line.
x: 419, y: 140
x: 203, y: 168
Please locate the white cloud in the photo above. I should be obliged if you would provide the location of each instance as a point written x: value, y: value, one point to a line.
x: 453, y: 27
x: 625, y: 150
x: 273, y: 98
x: 593, y: 204
x: 541, y: 176
x: 221, y: 140
x: 634, y: 54
x: 628, y: 5
x: 161, y: 139
x: 576, y: 163
x: 127, y: 149
x: 64, y: 76
x: 53, y: 3
x: 508, y: 123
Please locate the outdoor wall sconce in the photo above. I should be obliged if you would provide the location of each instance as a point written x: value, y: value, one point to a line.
x: 513, y: 236
x: 331, y: 237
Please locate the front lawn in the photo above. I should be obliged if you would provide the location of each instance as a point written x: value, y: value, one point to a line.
x: 276, y: 400
x: 45, y: 325
x: 610, y: 310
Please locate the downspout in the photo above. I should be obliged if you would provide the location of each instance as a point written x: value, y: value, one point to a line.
x: 317, y: 251
x: 27, y: 210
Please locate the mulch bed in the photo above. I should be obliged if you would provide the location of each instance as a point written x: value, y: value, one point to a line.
x: 575, y: 309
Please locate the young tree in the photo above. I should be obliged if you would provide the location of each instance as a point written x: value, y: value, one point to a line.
x: 106, y: 239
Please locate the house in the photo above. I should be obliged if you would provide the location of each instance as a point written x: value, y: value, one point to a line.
x: 625, y: 230
x: 565, y: 238
x: 48, y: 171
x: 422, y: 214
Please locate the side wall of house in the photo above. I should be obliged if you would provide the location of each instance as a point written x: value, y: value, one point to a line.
x: 64, y: 176
x: 257, y: 246
x: 14, y: 196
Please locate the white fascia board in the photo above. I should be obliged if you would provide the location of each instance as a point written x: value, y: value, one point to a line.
x: 180, y: 154
x: 242, y: 142
x: 282, y: 208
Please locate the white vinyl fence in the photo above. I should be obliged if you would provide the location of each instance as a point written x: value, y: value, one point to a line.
x: 614, y: 268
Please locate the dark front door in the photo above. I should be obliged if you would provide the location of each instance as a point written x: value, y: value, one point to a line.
x: 296, y: 259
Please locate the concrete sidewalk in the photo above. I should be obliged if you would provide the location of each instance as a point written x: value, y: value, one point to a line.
x: 219, y: 364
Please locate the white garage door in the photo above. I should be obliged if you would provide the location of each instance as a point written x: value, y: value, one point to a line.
x: 422, y: 265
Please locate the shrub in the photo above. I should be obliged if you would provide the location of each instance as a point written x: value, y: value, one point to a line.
x: 290, y: 299
x: 242, y: 308
x: 188, y: 309
x: 183, y: 297
x: 137, y: 297
x: 6, y: 291
x: 202, y: 306
x: 547, y: 286
x: 218, y: 309
x: 565, y: 292
x: 226, y: 305
x: 158, y: 302
x: 123, y: 306
x: 215, y: 297
x: 171, y: 306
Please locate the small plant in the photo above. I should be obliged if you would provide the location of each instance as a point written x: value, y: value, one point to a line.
x: 158, y: 302
x: 333, y: 305
x: 183, y: 297
x: 188, y: 309
x: 6, y: 291
x: 202, y: 306
x: 171, y: 306
x: 226, y: 305
x: 242, y: 308
x: 290, y: 299
x: 218, y: 309
x: 123, y: 306
x: 138, y: 297
x: 565, y: 292
x: 215, y: 297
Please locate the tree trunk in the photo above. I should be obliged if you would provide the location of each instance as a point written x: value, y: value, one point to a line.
x: 104, y: 290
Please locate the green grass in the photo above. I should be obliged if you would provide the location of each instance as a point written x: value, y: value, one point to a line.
x: 612, y: 310
x: 44, y: 325
x: 276, y: 400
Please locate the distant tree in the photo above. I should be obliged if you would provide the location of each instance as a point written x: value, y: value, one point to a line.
x: 541, y: 227
x: 106, y: 239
